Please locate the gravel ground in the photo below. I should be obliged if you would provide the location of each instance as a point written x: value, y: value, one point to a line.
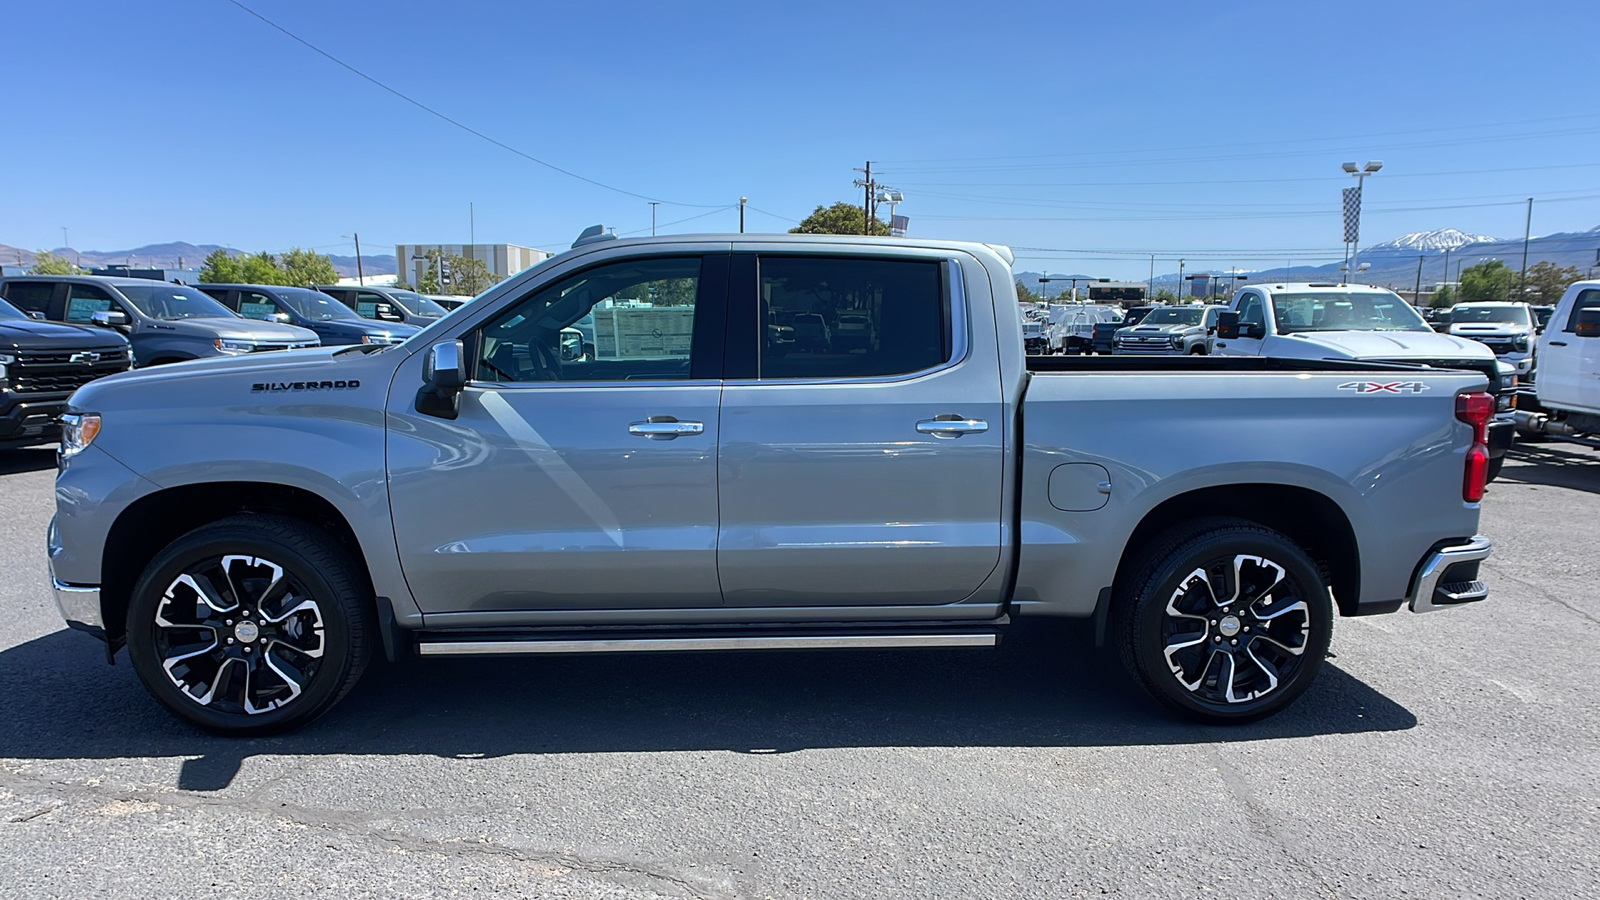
x: 1450, y: 755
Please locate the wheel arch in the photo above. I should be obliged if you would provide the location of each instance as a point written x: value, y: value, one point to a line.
x: 1311, y: 519
x: 157, y: 519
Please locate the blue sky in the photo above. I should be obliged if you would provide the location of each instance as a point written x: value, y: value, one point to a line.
x: 1158, y: 127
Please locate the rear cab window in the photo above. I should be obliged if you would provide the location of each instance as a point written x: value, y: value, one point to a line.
x: 1589, y: 299
x: 31, y: 296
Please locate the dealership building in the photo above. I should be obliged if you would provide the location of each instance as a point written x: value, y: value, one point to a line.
x: 503, y: 260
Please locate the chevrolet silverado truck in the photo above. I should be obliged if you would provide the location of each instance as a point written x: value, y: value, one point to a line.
x: 41, y: 364
x: 1324, y: 320
x: 255, y: 530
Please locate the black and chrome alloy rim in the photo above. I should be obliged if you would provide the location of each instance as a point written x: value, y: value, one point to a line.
x: 238, y: 634
x: 1235, y: 630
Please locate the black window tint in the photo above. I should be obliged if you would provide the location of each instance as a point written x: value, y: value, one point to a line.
x: 851, y: 318
x: 30, y: 296
x: 1589, y: 299
x: 623, y: 321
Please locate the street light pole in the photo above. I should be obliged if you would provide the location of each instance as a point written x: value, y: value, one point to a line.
x: 653, y: 205
x: 1527, y: 234
x: 1371, y: 168
x: 742, y: 202
x: 1179, y: 290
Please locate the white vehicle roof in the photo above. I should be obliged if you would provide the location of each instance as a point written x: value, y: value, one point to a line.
x: 1311, y: 287
x: 1490, y: 304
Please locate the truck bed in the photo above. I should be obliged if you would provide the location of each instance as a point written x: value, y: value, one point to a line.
x: 1046, y: 365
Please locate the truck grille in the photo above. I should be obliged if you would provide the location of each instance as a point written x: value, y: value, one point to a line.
x: 1500, y: 348
x: 58, y: 372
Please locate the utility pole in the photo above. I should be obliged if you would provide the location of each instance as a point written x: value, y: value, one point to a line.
x: 1150, y: 289
x: 1179, y: 291
x: 1416, y: 295
x: 742, y: 202
x: 361, y: 277
x: 869, y: 189
x: 472, y: 227
x: 653, y: 205
x: 64, y: 241
x: 1527, y: 233
x: 1446, y: 278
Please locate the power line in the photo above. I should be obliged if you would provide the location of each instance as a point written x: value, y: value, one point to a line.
x: 1331, y: 139
x: 434, y: 112
x: 1186, y: 182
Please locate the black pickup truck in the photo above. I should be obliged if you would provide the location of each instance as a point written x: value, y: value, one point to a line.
x: 41, y: 364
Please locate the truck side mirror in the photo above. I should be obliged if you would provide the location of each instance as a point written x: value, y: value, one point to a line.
x: 35, y: 314
x: 281, y: 318
x: 444, y: 374
x: 109, y: 318
x: 1228, y: 325
x: 1588, y: 324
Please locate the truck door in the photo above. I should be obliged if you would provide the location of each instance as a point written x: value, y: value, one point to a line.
x: 864, y: 475
x: 1252, y: 309
x: 570, y: 482
x: 1569, y: 366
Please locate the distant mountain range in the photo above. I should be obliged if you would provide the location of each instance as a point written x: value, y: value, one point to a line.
x: 1394, y: 262
x: 181, y: 255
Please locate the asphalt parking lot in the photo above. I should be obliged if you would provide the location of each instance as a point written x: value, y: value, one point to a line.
x: 1447, y: 755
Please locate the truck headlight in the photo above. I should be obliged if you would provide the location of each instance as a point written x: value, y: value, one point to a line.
x: 1177, y: 340
x: 78, y: 430
x: 1520, y: 343
x: 227, y: 346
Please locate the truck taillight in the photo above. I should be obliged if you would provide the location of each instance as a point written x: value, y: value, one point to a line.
x: 1476, y: 409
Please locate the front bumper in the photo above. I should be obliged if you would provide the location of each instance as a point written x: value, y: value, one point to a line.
x: 1448, y: 576
x: 32, y: 422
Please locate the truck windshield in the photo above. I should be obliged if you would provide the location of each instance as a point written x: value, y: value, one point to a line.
x: 418, y: 305
x: 1515, y: 315
x: 1354, y: 311
x: 170, y: 302
x: 317, y: 306
x: 1172, y: 315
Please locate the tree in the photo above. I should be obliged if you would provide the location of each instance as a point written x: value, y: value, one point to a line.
x: 840, y: 218
x: 1164, y: 295
x: 47, y: 263
x: 304, y: 268
x: 400, y: 284
x: 1443, y: 298
x: 260, y: 269
x: 1548, y: 281
x: 1024, y: 295
x: 469, y: 276
x: 1490, y: 280
x: 221, y: 268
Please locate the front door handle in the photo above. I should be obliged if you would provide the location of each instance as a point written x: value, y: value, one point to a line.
x: 1558, y: 343
x: 951, y: 426
x: 665, y: 428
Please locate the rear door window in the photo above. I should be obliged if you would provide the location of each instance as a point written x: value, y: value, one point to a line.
x: 804, y: 300
x: 31, y: 296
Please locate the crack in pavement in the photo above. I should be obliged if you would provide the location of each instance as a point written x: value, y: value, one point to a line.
x: 356, y: 826
x: 1541, y: 593
x: 1260, y: 819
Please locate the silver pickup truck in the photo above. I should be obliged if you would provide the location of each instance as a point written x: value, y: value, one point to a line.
x: 254, y: 530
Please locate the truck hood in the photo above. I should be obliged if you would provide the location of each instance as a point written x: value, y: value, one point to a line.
x: 236, y: 329
x: 1393, y: 344
x: 31, y: 334
x: 1491, y: 330
x: 1174, y: 328
x: 286, y: 366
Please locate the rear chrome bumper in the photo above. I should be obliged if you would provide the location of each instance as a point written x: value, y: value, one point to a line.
x: 1449, y: 577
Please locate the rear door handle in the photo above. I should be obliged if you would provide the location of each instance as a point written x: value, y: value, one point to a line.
x: 665, y: 428
x: 1558, y: 343
x: 951, y: 426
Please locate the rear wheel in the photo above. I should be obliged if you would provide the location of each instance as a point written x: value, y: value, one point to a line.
x: 1226, y: 621
x: 252, y: 625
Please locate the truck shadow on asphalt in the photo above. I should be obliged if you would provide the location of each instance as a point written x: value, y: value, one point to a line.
x: 1554, y: 465
x: 30, y: 459
x: 1046, y: 687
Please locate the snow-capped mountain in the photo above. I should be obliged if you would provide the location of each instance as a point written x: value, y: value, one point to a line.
x: 1432, y: 241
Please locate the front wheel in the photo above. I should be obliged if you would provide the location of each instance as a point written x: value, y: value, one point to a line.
x: 1225, y: 621
x: 255, y: 624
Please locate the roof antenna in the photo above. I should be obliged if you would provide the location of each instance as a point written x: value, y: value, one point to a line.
x: 593, y: 234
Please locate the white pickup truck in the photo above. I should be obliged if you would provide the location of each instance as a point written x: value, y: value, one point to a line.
x: 1565, y: 402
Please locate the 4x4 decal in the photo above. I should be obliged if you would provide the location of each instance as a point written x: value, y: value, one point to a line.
x: 1385, y: 387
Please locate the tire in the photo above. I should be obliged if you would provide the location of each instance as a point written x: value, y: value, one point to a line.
x: 1197, y: 350
x: 202, y: 656
x: 1237, y: 662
